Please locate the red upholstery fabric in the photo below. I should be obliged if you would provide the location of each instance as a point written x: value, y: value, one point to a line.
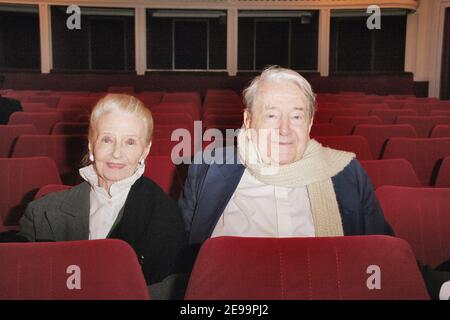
x: 108, y: 269
x: 422, y: 124
x: 441, y: 131
x: 43, y: 121
x: 49, y: 188
x: 371, y: 106
x: 324, y: 129
x: 224, y: 119
x: 443, y: 177
x: 445, y: 113
x: 69, y: 128
x: 84, y: 103
x: 178, y: 107
x: 422, y: 153
x: 304, y: 268
x: 66, y: 150
x: 150, y: 98
x: 420, y: 216
x: 394, y: 172
x: 9, y: 135
x: 356, y: 144
x: 378, y: 135
x: 193, y: 97
x: 35, y: 106
x: 325, y: 115
x: 51, y: 101
x: 389, y: 116
x: 346, y: 124
x: 163, y: 171
x: 21, y: 179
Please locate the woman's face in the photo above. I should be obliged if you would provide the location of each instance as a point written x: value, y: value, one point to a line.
x: 118, y: 145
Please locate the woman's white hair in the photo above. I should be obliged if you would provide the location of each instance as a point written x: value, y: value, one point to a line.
x: 276, y: 73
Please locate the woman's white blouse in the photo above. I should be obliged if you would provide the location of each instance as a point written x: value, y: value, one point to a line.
x: 104, y: 207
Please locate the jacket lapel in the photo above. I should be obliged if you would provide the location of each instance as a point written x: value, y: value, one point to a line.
x: 71, y: 220
x: 219, y: 185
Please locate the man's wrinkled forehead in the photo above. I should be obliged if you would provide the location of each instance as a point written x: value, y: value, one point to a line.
x: 271, y: 94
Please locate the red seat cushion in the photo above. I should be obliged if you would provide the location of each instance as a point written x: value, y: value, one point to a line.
x: 106, y: 269
x: 304, y: 268
x: 420, y: 216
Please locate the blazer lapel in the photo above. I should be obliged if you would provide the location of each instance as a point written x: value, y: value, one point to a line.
x: 218, y: 187
x: 71, y: 220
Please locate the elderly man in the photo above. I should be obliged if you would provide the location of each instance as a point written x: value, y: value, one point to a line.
x: 280, y: 183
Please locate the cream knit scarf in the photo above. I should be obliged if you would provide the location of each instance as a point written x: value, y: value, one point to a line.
x: 314, y: 171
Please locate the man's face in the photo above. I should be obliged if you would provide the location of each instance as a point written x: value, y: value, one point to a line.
x: 281, y: 110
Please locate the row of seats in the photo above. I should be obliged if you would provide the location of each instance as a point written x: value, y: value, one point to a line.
x: 425, y: 155
x: 232, y: 268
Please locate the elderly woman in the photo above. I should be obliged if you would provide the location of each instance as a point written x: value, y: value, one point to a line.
x: 116, y: 200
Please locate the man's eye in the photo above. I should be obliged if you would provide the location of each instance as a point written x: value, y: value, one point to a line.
x: 131, y: 142
x: 271, y: 116
x: 106, y: 139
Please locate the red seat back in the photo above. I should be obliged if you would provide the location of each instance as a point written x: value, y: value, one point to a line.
x: 443, y: 177
x: 92, y: 269
x: 66, y: 150
x: 422, y: 124
x: 22, y: 177
x: 394, y: 172
x: 423, y: 153
x: 43, y: 121
x: 441, y: 131
x: 346, y: 124
x: 420, y: 216
x: 9, y: 135
x: 69, y: 128
x: 49, y: 188
x: 378, y: 135
x: 239, y: 268
x: 163, y: 171
x: 356, y: 144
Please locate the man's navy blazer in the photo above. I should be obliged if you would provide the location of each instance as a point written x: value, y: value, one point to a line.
x: 209, y: 187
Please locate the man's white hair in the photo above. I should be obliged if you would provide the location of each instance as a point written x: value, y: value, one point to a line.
x: 276, y: 73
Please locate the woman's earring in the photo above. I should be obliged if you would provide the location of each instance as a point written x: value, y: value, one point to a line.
x: 91, y: 157
x: 141, y: 162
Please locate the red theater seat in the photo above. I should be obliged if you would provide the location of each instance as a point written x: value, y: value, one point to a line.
x: 394, y: 172
x: 21, y: 179
x: 423, y: 124
x: 150, y: 98
x: 10, y: 133
x: 389, y: 116
x: 346, y: 124
x: 239, y: 268
x: 325, y: 115
x: 43, y: 121
x: 49, y: 188
x: 378, y: 135
x: 423, y: 153
x: 324, y: 129
x: 443, y: 177
x: 441, y: 131
x: 356, y: 144
x: 163, y: 172
x: 68, y: 128
x: 83, y: 103
x: 186, y: 108
x: 66, y: 150
x: 420, y: 216
x: 74, y: 270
